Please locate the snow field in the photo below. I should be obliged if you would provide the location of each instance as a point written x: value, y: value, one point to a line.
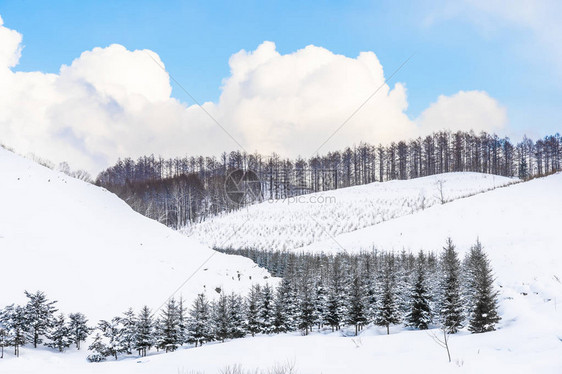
x: 89, y: 250
x: 297, y: 222
x: 86, y: 248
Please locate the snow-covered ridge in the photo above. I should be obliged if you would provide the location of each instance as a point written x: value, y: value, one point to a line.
x: 85, y: 247
x: 297, y: 222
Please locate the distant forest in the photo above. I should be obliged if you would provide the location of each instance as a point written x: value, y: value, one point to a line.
x: 182, y: 190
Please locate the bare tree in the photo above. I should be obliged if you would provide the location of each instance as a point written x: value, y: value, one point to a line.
x: 440, y: 187
x: 442, y: 341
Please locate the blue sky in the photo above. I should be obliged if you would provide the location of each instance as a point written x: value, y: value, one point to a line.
x: 195, y: 40
x: 496, y: 49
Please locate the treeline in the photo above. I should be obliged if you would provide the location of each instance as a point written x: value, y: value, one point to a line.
x: 181, y: 190
x: 316, y: 292
x: 381, y: 288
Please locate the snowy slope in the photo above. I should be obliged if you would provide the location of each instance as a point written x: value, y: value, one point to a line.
x: 86, y: 248
x: 513, y: 350
x: 520, y: 228
x: 296, y: 222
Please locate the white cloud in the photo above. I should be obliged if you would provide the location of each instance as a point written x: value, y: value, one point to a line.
x: 465, y: 110
x: 111, y: 102
x: 11, y: 50
x: 292, y: 103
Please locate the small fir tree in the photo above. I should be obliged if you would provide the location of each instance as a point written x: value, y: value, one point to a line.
x: 144, y: 338
x: 387, y: 311
x: 40, y: 315
x: 99, y: 349
x: 78, y: 328
x: 221, y: 318
x: 127, y: 338
x: 484, y: 312
x: 169, y: 327
x: 237, y: 317
x: 15, y: 322
x: 59, y: 334
x: 111, y: 330
x: 254, y: 310
x: 451, y: 312
x: 199, y: 330
x: 419, y: 314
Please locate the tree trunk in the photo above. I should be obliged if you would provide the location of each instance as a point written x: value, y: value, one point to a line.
x: 446, y: 340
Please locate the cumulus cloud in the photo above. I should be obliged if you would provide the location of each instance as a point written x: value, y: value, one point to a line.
x: 465, y: 110
x: 292, y: 103
x: 111, y: 102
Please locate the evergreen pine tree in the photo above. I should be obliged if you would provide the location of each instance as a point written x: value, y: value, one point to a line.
x: 145, y: 338
x: 254, y: 310
x: 182, y: 323
x: 371, y: 296
x: 404, y: 281
x: 40, y: 315
x: 451, y: 302
x: 78, y: 328
x: 387, y: 310
x: 111, y: 330
x: 286, y: 306
x: 337, y: 291
x: 99, y: 349
x: 306, y: 305
x: 419, y: 314
x: 199, y: 330
x: 168, y: 325
x: 279, y: 313
x: 58, y: 334
x: 434, y: 275
x: 127, y: 338
x: 15, y: 323
x: 484, y: 314
x: 237, y: 318
x: 4, y: 337
x: 356, y: 315
x: 321, y: 305
x: 221, y: 318
x: 266, y: 315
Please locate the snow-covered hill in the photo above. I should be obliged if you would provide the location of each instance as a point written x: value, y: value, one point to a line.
x: 86, y: 248
x: 104, y: 243
x: 296, y: 222
x: 519, y: 226
x: 520, y: 229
